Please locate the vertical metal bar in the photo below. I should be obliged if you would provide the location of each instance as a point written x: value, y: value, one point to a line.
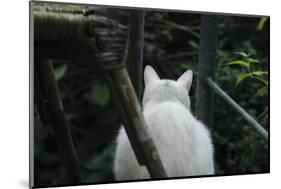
x: 206, y: 68
x: 238, y: 108
x: 134, y: 59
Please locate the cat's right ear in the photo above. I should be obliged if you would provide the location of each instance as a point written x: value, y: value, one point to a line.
x: 150, y: 75
x: 186, y: 79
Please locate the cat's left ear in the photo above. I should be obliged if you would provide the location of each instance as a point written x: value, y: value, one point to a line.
x: 186, y: 79
x: 150, y: 75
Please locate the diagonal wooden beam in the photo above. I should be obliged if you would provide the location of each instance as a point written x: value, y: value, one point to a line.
x: 50, y: 93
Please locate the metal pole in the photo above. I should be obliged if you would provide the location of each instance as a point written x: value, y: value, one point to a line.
x: 238, y: 108
x: 206, y: 68
x: 134, y: 59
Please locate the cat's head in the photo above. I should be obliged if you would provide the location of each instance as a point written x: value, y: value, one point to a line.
x: 159, y: 90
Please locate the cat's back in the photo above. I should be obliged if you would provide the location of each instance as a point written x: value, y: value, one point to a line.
x: 183, y: 142
x: 174, y: 118
x: 168, y: 113
x: 179, y: 138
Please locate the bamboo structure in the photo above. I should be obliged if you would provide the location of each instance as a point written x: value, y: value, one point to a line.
x: 62, y: 35
x: 98, y: 37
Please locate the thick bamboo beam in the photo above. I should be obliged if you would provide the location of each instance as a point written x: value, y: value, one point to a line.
x: 206, y: 68
x: 54, y: 108
x: 65, y: 36
x: 51, y: 26
x: 134, y: 122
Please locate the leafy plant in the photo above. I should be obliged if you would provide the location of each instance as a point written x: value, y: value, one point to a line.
x: 99, y: 94
x: 248, y: 70
x: 60, y: 72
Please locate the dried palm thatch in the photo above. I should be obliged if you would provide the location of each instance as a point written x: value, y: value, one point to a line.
x: 73, y: 32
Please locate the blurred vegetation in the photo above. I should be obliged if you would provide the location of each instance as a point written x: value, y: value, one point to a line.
x: 171, y: 46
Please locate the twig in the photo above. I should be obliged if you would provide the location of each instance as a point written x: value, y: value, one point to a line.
x: 180, y: 27
x: 181, y: 54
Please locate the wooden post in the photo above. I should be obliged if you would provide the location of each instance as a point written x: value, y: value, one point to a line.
x: 134, y: 59
x: 45, y: 80
x: 134, y: 122
x: 206, y: 68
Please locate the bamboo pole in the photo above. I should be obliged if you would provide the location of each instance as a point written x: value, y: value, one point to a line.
x: 58, y: 122
x: 66, y: 40
x: 134, y: 122
x: 206, y: 68
x: 71, y: 27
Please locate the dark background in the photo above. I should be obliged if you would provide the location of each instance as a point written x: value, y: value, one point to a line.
x: 171, y: 50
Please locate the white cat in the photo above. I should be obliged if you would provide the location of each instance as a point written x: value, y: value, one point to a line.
x: 183, y: 142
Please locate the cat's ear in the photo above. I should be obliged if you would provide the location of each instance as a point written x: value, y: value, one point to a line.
x: 150, y: 75
x: 186, y: 79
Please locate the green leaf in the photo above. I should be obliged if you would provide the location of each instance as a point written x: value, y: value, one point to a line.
x: 238, y: 62
x: 99, y: 94
x: 186, y: 66
x: 242, y: 54
x: 70, y: 116
x: 252, y: 60
x: 60, y: 71
x: 262, y: 91
x: 263, y: 113
x: 261, y: 23
x: 241, y: 77
x: 193, y: 44
x: 259, y: 73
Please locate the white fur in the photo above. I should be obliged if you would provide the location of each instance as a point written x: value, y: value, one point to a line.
x: 183, y: 142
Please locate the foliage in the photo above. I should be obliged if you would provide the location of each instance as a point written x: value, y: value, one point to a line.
x: 248, y: 63
x: 257, y: 75
x: 239, y: 149
x: 99, y: 94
